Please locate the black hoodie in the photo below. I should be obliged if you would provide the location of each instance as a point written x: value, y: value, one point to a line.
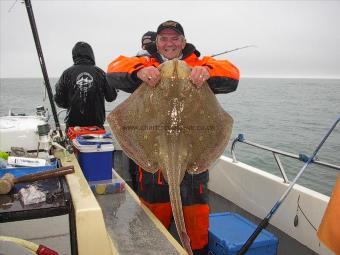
x: 82, y: 88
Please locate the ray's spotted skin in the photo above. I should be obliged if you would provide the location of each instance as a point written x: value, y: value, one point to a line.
x: 175, y: 127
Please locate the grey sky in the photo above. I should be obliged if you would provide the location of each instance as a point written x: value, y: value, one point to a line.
x: 294, y: 38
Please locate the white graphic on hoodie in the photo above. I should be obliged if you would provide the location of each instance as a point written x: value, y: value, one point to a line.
x: 84, y: 82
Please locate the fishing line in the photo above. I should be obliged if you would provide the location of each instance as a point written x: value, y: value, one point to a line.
x: 299, y: 208
x: 10, y: 8
x: 307, y: 218
x: 227, y: 51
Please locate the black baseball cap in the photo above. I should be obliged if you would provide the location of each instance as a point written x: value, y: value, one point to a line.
x: 170, y: 24
x: 148, y: 37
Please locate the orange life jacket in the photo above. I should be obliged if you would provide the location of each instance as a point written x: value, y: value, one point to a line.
x: 122, y: 72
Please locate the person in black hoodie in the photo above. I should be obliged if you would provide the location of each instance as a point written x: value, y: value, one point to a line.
x: 147, y: 39
x: 82, y: 88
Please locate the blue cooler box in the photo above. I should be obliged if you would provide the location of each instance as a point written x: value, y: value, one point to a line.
x: 229, y: 231
x: 95, y: 159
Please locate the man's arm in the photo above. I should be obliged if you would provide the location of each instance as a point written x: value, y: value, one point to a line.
x: 109, y: 91
x: 224, y: 76
x: 61, y: 95
x: 122, y: 73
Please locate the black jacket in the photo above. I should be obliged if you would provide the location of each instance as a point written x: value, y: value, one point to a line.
x: 82, y: 88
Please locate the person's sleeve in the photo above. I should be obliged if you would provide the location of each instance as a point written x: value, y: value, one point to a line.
x: 122, y: 73
x: 61, y: 93
x: 109, y: 91
x: 224, y: 76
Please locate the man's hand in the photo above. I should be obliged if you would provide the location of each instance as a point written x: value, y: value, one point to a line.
x: 150, y: 75
x: 199, y: 74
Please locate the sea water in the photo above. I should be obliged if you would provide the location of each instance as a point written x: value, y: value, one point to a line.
x: 291, y: 115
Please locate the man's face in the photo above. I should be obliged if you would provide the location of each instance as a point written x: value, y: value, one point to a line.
x: 146, y: 42
x: 170, y: 44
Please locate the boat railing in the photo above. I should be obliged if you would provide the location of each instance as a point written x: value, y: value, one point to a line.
x: 64, y: 111
x: 302, y: 157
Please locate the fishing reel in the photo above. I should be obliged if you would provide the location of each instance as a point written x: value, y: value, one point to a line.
x: 62, y: 142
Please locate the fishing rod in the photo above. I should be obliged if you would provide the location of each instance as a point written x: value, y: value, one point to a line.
x: 227, y: 51
x: 264, y: 223
x: 42, y: 63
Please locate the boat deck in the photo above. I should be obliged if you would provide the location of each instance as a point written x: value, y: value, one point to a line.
x: 130, y: 228
x: 217, y: 203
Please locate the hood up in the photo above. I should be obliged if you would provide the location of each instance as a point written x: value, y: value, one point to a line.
x: 82, y: 53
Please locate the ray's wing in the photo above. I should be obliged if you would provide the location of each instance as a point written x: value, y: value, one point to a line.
x: 134, y: 126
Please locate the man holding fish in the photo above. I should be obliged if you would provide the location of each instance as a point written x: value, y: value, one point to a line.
x: 127, y: 74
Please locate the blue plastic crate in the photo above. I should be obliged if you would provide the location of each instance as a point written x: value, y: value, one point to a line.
x: 229, y: 231
x: 20, y: 171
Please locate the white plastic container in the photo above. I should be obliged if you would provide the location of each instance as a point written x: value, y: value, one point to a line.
x: 19, y: 131
x: 22, y: 161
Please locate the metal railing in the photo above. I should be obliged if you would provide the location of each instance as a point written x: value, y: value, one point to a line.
x: 60, y: 112
x: 302, y: 157
x: 64, y: 110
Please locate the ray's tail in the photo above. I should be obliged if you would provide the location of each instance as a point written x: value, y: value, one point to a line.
x: 174, y: 172
x: 177, y: 210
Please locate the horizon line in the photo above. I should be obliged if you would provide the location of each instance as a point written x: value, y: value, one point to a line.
x: 242, y: 76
